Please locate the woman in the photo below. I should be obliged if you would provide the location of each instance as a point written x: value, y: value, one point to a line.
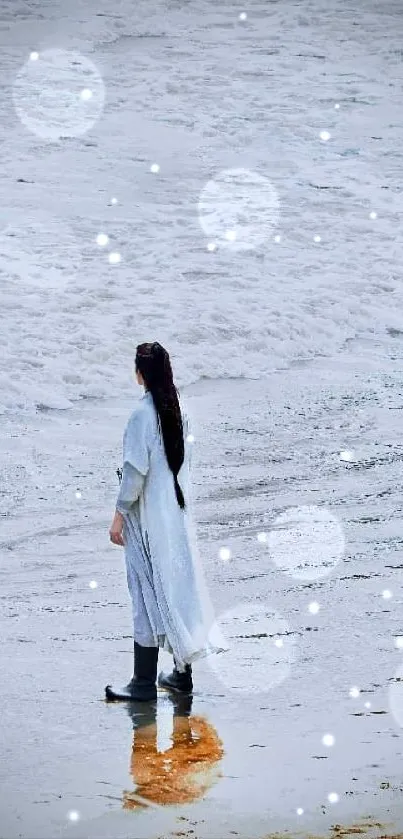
x: 153, y: 521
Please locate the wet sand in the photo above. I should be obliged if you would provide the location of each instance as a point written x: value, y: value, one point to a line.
x: 241, y: 762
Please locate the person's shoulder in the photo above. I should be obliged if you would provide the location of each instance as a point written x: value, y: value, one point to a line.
x: 143, y: 419
x: 140, y: 412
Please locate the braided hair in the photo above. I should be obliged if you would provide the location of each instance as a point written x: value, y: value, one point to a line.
x: 153, y: 362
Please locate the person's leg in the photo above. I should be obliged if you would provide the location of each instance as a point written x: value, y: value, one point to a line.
x: 176, y: 681
x: 142, y: 686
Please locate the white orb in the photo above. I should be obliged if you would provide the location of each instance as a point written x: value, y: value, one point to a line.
x: 346, y: 455
x: 373, y: 215
x: 190, y: 438
x: 114, y: 258
x: 333, y: 797
x: 386, y: 594
x: 93, y: 584
x: 306, y: 542
x: 328, y: 740
x: 277, y: 239
x: 367, y: 704
x: 399, y: 642
x: 324, y: 135
x: 224, y: 554
x: 78, y: 494
x: 114, y: 201
x: 73, y: 816
x: 354, y: 693
x: 154, y: 168
x: 243, y: 16
x: 279, y: 642
x: 252, y: 663
x: 211, y: 246
x: 337, y: 106
x: 34, y: 56
x: 262, y: 537
x: 314, y: 608
x: 48, y: 94
x: 102, y: 239
x: 317, y: 239
x: 238, y: 209
x: 300, y: 811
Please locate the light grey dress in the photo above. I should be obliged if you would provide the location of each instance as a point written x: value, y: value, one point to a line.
x: 171, y: 605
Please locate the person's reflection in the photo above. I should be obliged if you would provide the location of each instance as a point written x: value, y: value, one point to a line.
x: 181, y: 773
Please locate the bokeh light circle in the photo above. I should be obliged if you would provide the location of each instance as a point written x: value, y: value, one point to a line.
x: 261, y: 649
x: 238, y: 209
x: 306, y: 542
x: 42, y: 252
x: 60, y: 94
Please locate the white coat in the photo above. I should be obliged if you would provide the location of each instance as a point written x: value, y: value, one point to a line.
x: 171, y: 605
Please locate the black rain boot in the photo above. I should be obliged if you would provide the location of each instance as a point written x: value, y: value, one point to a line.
x: 142, y: 687
x: 177, y: 682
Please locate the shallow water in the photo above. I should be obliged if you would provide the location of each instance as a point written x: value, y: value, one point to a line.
x: 261, y: 450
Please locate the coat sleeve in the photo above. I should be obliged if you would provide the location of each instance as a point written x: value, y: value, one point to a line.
x: 130, y: 488
x: 136, y: 457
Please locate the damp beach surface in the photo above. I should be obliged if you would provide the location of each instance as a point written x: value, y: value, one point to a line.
x: 307, y: 702
x: 278, y: 294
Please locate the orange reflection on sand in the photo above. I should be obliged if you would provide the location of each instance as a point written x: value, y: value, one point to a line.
x: 181, y: 773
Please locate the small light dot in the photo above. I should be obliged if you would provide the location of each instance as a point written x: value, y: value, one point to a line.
x: 243, y: 16
x: 211, y: 246
x: 277, y: 239
x: 367, y: 704
x: 230, y: 235
x: 34, y: 56
x: 346, y: 455
x: 102, y: 239
x: 114, y: 258
x: 114, y: 201
x: 399, y: 642
x: 337, y: 106
x: 74, y: 816
x: 386, y: 594
x: 328, y: 740
x: 333, y: 797
x: 262, y: 537
x: 300, y: 811
x: 314, y: 608
x: 93, y: 584
x: 86, y: 94
x: 190, y: 438
x: 154, y: 168
x: 324, y: 135
x: 317, y: 239
x: 279, y: 642
x: 373, y: 215
x: 78, y: 494
x: 354, y: 693
x: 224, y: 554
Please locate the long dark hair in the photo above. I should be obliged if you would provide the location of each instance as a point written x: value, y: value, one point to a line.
x: 153, y: 362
